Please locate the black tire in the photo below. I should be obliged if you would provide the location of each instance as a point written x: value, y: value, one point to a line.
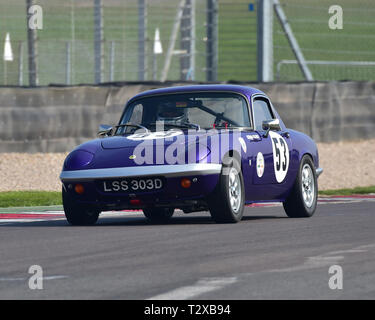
x: 296, y: 205
x: 219, y: 203
x: 158, y: 215
x: 76, y: 214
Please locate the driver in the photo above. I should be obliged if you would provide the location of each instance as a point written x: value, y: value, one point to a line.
x: 170, y: 114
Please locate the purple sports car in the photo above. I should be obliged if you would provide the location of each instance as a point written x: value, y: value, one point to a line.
x: 195, y: 148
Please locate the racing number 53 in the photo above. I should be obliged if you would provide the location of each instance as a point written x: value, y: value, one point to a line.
x: 281, y: 155
x: 280, y: 151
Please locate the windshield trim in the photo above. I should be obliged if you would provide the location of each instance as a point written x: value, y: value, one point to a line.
x: 250, y: 116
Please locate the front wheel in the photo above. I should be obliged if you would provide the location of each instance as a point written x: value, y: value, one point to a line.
x: 302, y: 200
x: 76, y: 214
x: 226, y: 204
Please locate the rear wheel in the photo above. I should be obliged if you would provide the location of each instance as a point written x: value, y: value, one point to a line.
x: 226, y: 204
x: 302, y: 200
x: 158, y: 215
x: 77, y: 214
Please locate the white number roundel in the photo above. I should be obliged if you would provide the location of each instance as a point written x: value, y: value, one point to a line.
x: 280, y: 152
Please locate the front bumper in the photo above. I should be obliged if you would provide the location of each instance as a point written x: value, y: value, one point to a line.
x: 204, y: 176
x: 168, y: 171
x: 319, y: 171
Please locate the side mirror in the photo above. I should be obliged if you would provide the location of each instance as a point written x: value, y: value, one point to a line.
x: 269, y: 125
x: 273, y: 124
x: 105, y: 130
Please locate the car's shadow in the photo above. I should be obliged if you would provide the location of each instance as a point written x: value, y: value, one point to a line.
x: 137, y: 221
x: 181, y: 220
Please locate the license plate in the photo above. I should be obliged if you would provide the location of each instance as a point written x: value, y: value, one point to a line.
x: 132, y: 185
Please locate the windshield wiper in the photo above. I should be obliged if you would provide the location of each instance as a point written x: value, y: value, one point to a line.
x: 191, y: 125
x: 179, y: 125
x: 131, y: 125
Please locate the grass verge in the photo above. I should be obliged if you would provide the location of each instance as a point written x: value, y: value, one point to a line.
x: 29, y: 198
x: 348, y: 192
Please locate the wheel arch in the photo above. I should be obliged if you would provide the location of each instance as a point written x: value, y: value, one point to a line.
x: 303, y: 144
x: 232, y: 154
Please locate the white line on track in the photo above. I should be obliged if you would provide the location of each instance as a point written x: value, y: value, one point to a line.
x: 5, y: 222
x: 108, y: 214
x: 202, y: 286
x: 326, y: 259
x: 126, y: 213
x: 57, y: 277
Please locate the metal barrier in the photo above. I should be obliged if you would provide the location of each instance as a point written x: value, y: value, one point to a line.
x: 323, y: 63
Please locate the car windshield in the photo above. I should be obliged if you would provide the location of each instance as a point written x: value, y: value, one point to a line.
x: 193, y: 110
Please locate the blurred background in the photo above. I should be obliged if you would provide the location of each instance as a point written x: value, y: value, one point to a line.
x: 91, y: 41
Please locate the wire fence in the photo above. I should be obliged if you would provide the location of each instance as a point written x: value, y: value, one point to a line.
x: 66, y: 44
x: 334, y: 53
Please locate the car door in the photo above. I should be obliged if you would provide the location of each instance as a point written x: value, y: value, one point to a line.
x: 270, y: 152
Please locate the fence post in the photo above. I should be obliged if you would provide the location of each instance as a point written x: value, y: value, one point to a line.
x: 212, y: 40
x: 73, y: 32
x: 98, y: 40
x: 32, y: 47
x: 20, y: 63
x: 265, y: 40
x: 142, y: 38
x: 187, y: 30
x: 112, y: 61
x: 68, y: 64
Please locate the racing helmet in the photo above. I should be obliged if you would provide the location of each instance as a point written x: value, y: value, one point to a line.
x: 169, y: 113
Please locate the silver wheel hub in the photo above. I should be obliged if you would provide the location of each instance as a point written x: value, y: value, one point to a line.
x: 234, y: 190
x: 308, y: 186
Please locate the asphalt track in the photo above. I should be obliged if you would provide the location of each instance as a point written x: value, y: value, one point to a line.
x: 266, y: 256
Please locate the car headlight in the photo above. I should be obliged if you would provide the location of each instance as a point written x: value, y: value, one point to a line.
x: 78, y: 159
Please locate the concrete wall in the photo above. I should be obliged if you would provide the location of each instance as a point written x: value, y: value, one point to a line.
x: 56, y: 119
